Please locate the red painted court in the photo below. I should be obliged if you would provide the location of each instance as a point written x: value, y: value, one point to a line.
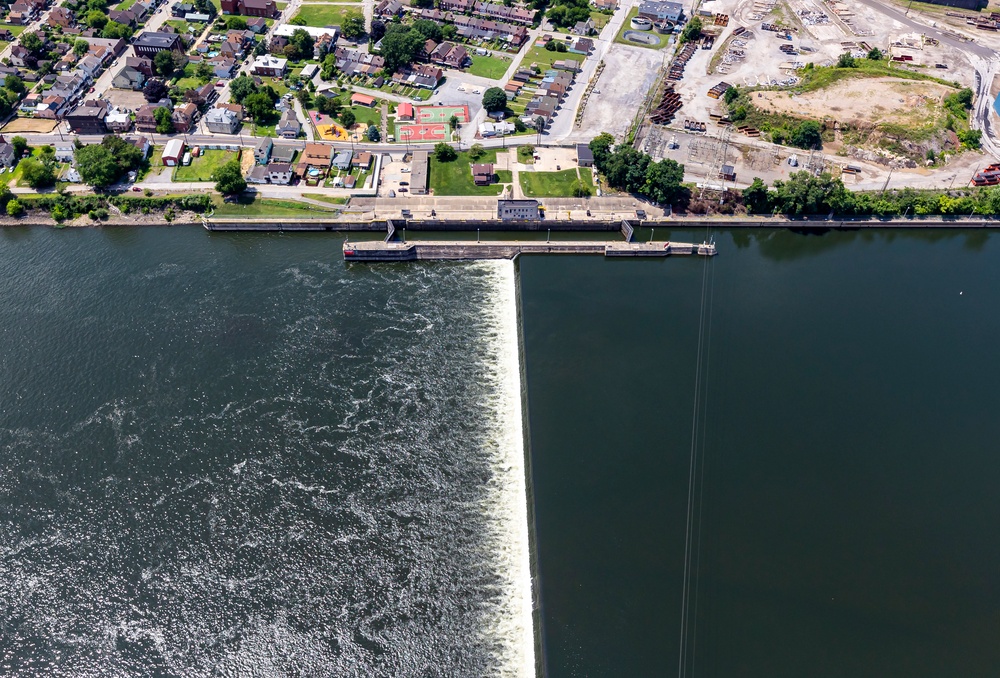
x: 442, y: 113
x: 422, y: 132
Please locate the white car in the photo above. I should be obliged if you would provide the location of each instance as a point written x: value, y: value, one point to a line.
x: 461, y: 88
x: 476, y: 91
x: 405, y: 170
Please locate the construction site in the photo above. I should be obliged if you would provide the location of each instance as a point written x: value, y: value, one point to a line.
x: 770, y: 49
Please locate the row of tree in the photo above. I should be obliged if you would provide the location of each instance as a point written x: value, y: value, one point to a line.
x: 630, y: 170
x: 804, y: 194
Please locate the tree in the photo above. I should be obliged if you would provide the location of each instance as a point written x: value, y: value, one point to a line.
x: 297, y: 21
x: 477, y: 151
x: 431, y: 30
x: 303, y: 42
x: 14, y: 208
x: 444, y: 153
x: 875, y: 54
x: 846, y: 61
x: 347, y: 118
x: 204, y: 71
x: 38, y: 174
x: 453, y: 122
x: 519, y: 125
x: 580, y: 190
x: 807, y: 135
x: 373, y: 134
x: 163, y: 62
x: 97, y: 166
x: 114, y: 31
x: 32, y: 43
x: 304, y: 97
x: 353, y: 25
x: 494, y: 100
x: 731, y: 95
x: 80, y: 47
x: 164, y: 120
x: 692, y: 31
x: 155, y: 90
x: 259, y: 106
x: 20, y: 145
x: 540, y: 123
x: 663, y: 181
x: 756, y: 197
x: 555, y: 46
x: 400, y: 46
x: 236, y: 23
x: 95, y: 19
x: 228, y: 178
x: 241, y: 87
x: 329, y: 105
x: 378, y: 30
x: 14, y: 84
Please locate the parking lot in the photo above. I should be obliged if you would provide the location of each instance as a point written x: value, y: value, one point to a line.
x: 395, y: 178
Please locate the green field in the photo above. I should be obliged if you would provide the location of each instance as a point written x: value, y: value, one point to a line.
x: 125, y: 5
x: 544, y: 59
x: 201, y: 168
x: 189, y: 80
x: 319, y: 16
x: 252, y: 207
x: 455, y: 177
x: 824, y: 76
x: 489, y: 66
x: 368, y: 116
x: 554, y: 184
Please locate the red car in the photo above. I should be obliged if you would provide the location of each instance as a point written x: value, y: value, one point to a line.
x: 220, y: 84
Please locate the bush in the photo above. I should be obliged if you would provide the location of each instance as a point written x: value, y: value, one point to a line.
x: 14, y: 208
x: 846, y: 61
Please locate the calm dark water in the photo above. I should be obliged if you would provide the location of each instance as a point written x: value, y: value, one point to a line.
x: 850, y: 522
x: 233, y: 455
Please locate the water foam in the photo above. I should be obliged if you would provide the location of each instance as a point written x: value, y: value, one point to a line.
x: 507, y: 500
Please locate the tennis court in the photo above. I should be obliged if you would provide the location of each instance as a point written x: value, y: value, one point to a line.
x: 442, y: 113
x: 415, y: 133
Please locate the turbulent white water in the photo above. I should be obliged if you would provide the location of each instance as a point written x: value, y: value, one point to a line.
x: 246, y: 461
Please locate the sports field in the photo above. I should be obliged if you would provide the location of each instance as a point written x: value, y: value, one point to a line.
x: 441, y: 113
x: 437, y: 131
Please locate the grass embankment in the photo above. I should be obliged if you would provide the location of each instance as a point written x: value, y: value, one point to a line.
x: 455, y: 177
x: 254, y: 207
x: 555, y: 184
x: 819, y: 77
x: 322, y: 197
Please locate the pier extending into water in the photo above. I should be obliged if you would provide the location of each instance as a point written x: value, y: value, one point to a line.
x: 431, y: 250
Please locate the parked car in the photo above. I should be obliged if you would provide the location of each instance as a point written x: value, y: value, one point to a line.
x: 404, y: 183
x: 402, y: 190
x: 405, y: 170
x: 220, y: 84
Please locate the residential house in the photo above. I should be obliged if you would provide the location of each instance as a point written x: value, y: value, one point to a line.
x: 262, y: 151
x: 118, y: 121
x: 316, y: 156
x: 257, y: 175
x: 88, y: 118
x: 8, y: 158
x: 606, y: 4
x: 201, y: 96
x: 222, y: 66
x: 90, y: 65
x: 587, y: 27
x: 388, y: 10
x: 62, y: 17
x: 283, y: 152
x: 492, y: 129
x: 460, y: 6
x: 352, y: 61
x: 450, y: 55
x: 6, y: 35
x: 418, y: 75
x: 145, y: 117
x: 16, y: 18
x: 150, y: 43
x: 18, y: 54
x: 108, y: 49
x: 65, y: 151
x: 180, y: 9
x: 482, y: 174
x: 30, y: 102
x: 71, y: 86
x: 544, y: 106
x: 223, y: 120
x: 141, y: 143
x: 183, y: 117
x: 584, y: 156
x: 289, y: 126
x: 571, y: 65
x: 269, y: 66
x: 259, y: 8
x: 280, y: 173
x: 342, y: 160
x: 309, y: 71
x: 518, y: 210
x: 129, y: 78
x: 173, y: 152
x: 350, y: 181
x: 362, y: 160
x: 197, y: 18
x: 278, y: 43
x: 257, y: 25
x: 141, y: 64
x: 520, y: 15
x: 51, y: 107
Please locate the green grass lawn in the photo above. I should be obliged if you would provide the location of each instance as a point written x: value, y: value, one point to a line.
x: 368, y: 116
x: 324, y: 15
x: 201, y: 168
x: 553, y: 184
x: 455, y: 177
x: 16, y: 30
x: 125, y: 5
x: 489, y: 66
x: 600, y: 19
x: 824, y: 76
x: 189, y: 80
x: 322, y: 197
x: 544, y: 59
x: 526, y: 155
x: 254, y: 207
x: 662, y: 40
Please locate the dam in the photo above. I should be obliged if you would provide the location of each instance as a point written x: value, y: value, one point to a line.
x: 453, y: 250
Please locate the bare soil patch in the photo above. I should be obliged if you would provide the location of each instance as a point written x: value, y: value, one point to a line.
x: 33, y: 125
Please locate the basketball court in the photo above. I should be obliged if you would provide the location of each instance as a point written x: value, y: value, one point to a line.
x: 423, y: 132
x: 425, y: 114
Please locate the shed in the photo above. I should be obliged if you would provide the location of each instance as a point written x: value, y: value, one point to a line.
x: 173, y: 152
x: 359, y: 99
